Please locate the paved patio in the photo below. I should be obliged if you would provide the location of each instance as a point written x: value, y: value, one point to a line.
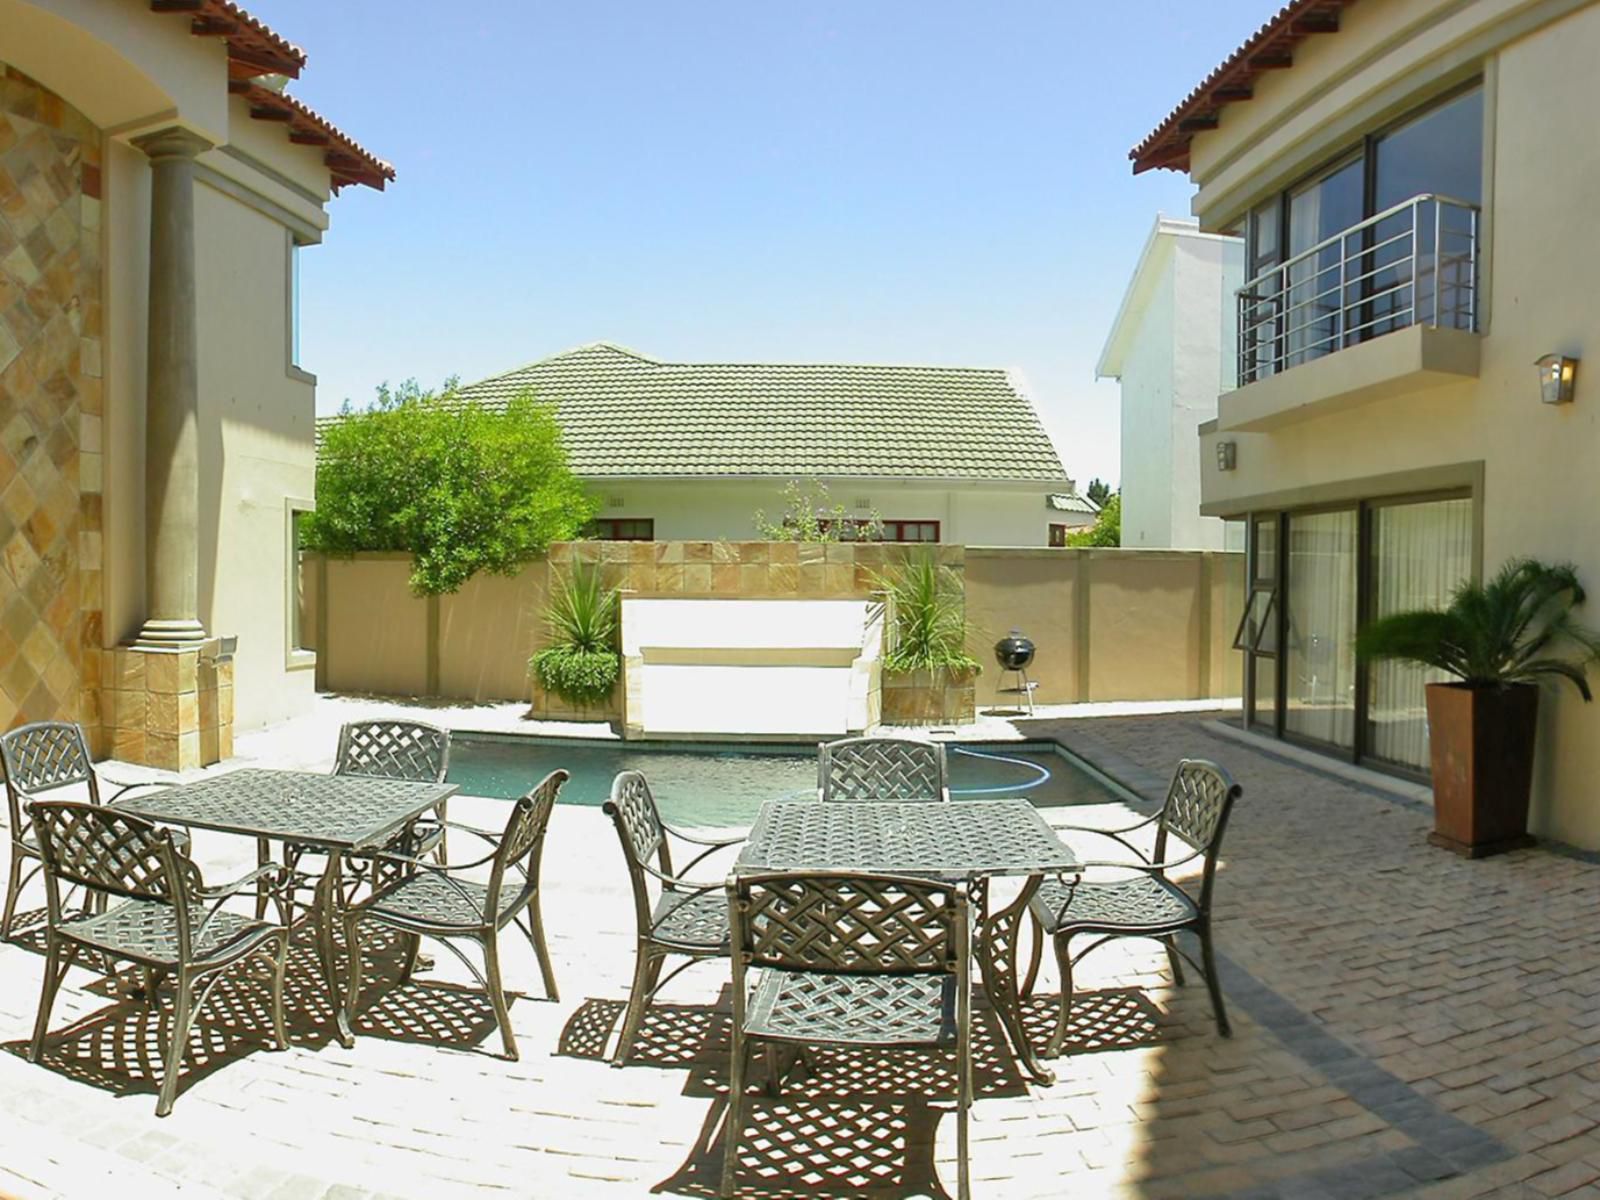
x: 1405, y: 1023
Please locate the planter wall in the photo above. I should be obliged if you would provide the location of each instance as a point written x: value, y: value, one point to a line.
x: 552, y: 707
x: 929, y: 698
x: 1481, y: 746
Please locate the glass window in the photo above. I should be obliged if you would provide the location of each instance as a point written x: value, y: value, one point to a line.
x: 302, y: 588
x: 1439, y: 151
x: 623, y: 529
x: 1420, y: 552
x: 1320, y: 606
x: 1314, y: 292
x: 294, y: 304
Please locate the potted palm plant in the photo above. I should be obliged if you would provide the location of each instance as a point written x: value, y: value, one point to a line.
x: 1499, y: 640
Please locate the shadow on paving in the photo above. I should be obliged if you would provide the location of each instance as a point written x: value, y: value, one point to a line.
x: 118, y: 1049
x: 848, y: 1121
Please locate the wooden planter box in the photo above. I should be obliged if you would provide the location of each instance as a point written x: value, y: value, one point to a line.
x: 929, y: 697
x: 1481, y: 746
x: 550, y: 707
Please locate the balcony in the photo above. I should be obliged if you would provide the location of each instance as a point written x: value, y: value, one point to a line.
x: 1391, y: 303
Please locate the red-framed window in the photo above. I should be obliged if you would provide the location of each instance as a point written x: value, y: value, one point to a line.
x: 623, y: 529
x: 889, y: 531
x: 911, y: 531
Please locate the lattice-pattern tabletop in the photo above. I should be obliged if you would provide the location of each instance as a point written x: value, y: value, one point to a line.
x: 343, y: 812
x: 940, y: 841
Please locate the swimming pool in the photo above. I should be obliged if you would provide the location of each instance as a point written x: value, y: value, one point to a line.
x: 726, y: 783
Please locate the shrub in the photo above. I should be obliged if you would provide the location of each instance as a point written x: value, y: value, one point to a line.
x: 809, y: 517
x: 462, y: 488
x: 1107, y: 527
x: 580, y: 663
x: 927, y: 607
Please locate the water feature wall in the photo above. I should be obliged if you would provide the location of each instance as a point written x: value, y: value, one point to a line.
x: 750, y: 668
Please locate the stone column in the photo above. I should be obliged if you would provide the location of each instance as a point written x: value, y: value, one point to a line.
x: 172, y: 436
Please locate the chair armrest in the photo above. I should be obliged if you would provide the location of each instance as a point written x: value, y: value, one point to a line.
x: 1150, y: 820
x: 224, y: 890
x: 125, y: 788
x: 713, y: 843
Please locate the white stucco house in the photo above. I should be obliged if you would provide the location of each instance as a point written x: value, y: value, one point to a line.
x: 1167, y: 348
x: 693, y: 450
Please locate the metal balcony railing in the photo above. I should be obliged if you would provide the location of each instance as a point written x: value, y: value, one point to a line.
x: 1413, y: 264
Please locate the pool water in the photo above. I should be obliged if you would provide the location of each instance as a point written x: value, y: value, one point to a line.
x: 725, y: 784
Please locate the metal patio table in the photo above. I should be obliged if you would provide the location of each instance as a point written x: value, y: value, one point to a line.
x: 972, y: 840
x: 335, y: 814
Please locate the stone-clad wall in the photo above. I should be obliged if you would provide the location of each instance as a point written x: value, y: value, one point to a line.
x: 50, y: 410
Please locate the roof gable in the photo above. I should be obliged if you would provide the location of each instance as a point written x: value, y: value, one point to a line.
x: 624, y: 415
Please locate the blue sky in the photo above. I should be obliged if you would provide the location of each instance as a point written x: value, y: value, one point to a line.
x: 835, y: 180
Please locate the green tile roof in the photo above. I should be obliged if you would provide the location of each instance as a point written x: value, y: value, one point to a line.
x: 625, y: 415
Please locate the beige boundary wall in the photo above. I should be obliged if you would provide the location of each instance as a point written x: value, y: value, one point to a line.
x: 1109, y: 624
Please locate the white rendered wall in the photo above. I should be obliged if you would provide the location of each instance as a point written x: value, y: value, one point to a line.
x: 701, y: 510
x: 1171, y: 375
x: 751, y: 667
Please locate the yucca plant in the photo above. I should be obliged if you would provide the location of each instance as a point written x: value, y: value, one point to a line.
x: 1517, y: 627
x: 928, y: 609
x: 580, y: 661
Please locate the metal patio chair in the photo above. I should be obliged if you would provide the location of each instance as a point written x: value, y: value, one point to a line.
x: 43, y: 757
x: 431, y: 900
x: 380, y: 749
x: 674, y: 915
x: 847, y: 960
x: 882, y: 768
x: 167, y: 921
x: 1147, y: 903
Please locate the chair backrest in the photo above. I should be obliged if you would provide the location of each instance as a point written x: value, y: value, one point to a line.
x: 522, y: 844
x: 103, y: 850
x: 882, y: 768
x: 1196, y: 813
x: 633, y: 811
x: 392, y: 749
x: 848, y: 922
x: 42, y: 757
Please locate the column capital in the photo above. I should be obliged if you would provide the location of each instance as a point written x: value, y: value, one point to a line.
x: 175, y: 141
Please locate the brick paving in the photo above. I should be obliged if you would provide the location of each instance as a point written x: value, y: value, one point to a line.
x: 1406, y: 1023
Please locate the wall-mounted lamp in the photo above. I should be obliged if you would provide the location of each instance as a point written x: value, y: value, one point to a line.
x: 1227, y: 455
x: 1557, y: 373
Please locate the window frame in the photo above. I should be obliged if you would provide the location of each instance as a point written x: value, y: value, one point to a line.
x: 295, y: 656
x: 613, y: 524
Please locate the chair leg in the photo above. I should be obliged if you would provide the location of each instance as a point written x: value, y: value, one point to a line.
x: 263, y: 857
x: 964, y: 1092
x: 55, y: 970
x: 280, y: 969
x: 1174, y: 960
x: 413, y: 952
x: 352, y: 942
x: 775, y: 1065
x: 536, y: 936
x: 177, y: 1043
x: 1034, y: 955
x: 153, y: 979
x: 497, y: 995
x: 1063, y: 1016
x: 734, y: 1126
x: 1213, y: 984
x: 645, y: 973
x: 13, y: 889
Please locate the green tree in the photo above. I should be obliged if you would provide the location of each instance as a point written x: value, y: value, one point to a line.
x: 1107, y: 527
x: 462, y: 488
x: 1099, y: 491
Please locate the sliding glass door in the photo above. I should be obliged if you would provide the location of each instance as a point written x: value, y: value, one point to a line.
x: 1315, y: 577
x: 1320, y: 610
x: 1420, y: 552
